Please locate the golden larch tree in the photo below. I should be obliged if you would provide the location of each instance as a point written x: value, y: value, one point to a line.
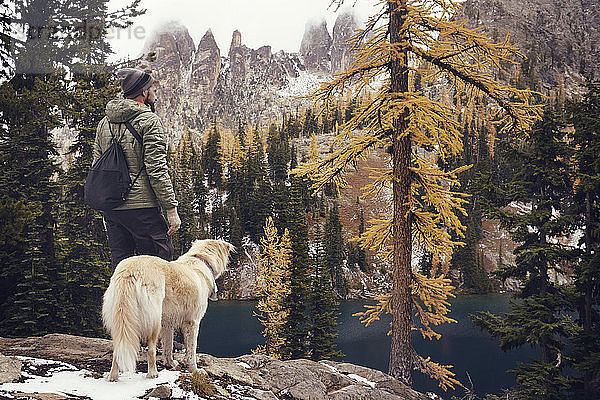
x: 406, y: 48
x: 273, y: 287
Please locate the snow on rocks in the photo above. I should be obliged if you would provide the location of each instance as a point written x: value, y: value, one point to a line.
x: 249, y: 377
x: 46, y: 376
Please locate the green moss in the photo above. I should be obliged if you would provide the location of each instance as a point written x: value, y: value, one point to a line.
x: 197, y: 383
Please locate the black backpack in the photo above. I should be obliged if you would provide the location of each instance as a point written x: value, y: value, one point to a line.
x: 108, y: 183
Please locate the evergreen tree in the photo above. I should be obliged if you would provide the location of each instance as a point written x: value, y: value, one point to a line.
x: 235, y: 232
x: 585, y: 117
x: 200, y: 198
x: 260, y: 206
x: 211, y: 159
x: 82, y: 246
x: 540, y: 179
x: 310, y: 124
x: 218, y: 222
x: 278, y: 152
x: 333, y: 242
x: 26, y: 185
x: 426, y: 264
x: 295, y: 330
x: 324, y: 308
x: 184, y: 174
x: 281, y: 197
x: 362, y: 254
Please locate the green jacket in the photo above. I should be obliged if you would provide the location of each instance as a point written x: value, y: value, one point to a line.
x: 154, y: 186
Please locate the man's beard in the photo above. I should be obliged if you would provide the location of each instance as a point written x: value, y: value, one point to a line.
x: 149, y: 104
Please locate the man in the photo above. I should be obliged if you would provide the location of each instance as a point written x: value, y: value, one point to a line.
x: 138, y: 226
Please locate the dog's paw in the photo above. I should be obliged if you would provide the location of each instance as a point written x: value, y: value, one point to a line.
x: 112, y: 378
x: 172, y: 365
x: 152, y: 375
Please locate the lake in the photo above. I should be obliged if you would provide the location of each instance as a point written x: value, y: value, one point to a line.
x: 229, y: 329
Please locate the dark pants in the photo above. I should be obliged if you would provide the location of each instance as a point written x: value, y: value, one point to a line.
x: 136, y: 232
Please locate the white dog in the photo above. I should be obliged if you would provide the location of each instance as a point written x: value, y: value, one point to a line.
x: 148, y: 295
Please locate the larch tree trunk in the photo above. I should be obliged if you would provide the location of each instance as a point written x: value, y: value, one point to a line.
x: 401, y: 351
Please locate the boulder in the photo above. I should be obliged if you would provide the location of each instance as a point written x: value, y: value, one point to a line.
x: 160, y: 392
x: 10, y: 369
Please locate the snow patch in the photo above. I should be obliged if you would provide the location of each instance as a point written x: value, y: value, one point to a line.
x: 243, y: 365
x: 361, y: 379
x: 81, y: 383
x: 332, y: 368
x: 304, y: 84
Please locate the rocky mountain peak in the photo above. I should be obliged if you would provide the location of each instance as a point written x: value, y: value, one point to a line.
x: 343, y: 29
x: 237, y: 59
x: 206, y: 67
x: 236, y: 40
x: 173, y: 46
x: 315, y: 46
x: 208, y: 40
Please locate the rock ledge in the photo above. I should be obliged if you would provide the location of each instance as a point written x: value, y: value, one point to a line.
x: 251, y: 376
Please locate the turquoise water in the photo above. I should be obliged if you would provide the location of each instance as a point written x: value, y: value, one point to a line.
x: 229, y: 329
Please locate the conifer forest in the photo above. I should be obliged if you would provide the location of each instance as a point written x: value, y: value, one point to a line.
x: 438, y: 163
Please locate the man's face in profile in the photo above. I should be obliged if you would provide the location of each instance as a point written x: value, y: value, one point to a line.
x: 151, y: 97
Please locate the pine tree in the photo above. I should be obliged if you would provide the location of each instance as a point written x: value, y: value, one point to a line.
x: 218, y: 222
x: 295, y: 331
x: 585, y: 118
x: 324, y: 308
x: 273, y: 288
x: 362, y: 253
x: 200, y: 198
x: 466, y: 258
x: 82, y: 246
x: 333, y: 243
x: 185, y: 162
x: 310, y: 123
x: 45, y: 294
x: 414, y: 33
x: 260, y: 206
x: 211, y: 159
x: 26, y: 169
x: 541, y: 181
x: 278, y: 152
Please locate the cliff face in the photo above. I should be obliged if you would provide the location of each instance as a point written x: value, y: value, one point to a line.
x: 344, y: 28
x: 315, y: 47
x: 200, y: 85
x: 559, y: 38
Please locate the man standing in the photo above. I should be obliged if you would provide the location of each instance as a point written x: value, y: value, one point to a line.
x: 138, y: 226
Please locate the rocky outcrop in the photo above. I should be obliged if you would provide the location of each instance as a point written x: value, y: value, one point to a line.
x: 199, y: 86
x: 250, y: 376
x: 315, y: 47
x: 558, y: 38
x: 10, y: 369
x: 173, y: 50
x: 83, y: 352
x: 343, y: 29
x: 206, y: 66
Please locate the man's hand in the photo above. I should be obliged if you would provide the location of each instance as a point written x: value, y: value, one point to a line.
x: 174, y: 221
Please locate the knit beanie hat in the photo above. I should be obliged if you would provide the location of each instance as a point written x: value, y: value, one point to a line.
x: 134, y: 81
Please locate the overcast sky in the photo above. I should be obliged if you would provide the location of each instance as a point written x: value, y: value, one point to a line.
x: 278, y: 23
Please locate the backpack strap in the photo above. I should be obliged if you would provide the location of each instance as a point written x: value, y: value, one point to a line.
x: 137, y: 136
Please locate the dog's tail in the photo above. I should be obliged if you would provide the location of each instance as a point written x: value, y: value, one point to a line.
x: 130, y: 313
